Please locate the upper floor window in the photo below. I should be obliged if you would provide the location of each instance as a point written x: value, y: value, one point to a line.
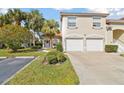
x: 96, y: 18
x: 71, y: 21
x: 97, y: 22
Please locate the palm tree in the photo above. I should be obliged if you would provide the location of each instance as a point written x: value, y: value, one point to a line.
x: 15, y: 16
x: 34, y: 22
x: 4, y: 20
x: 53, y: 24
x: 50, y: 28
x: 1, y: 20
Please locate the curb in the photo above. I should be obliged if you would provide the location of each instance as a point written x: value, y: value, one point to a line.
x: 4, y: 82
x: 24, y: 57
x: 2, y: 57
x: 19, y: 57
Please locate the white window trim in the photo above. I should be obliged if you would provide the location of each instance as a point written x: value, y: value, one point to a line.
x: 98, y: 20
x: 72, y: 27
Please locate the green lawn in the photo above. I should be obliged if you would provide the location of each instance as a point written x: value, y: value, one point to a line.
x: 38, y: 73
x: 21, y: 52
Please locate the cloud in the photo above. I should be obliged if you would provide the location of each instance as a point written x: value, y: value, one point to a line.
x: 113, y: 12
x: 120, y: 13
x: 99, y: 10
x: 3, y: 10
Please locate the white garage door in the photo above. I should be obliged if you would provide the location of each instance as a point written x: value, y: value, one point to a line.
x: 74, y: 44
x: 94, y: 44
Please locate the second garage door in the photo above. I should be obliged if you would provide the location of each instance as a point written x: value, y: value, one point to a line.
x: 74, y: 44
x: 94, y: 44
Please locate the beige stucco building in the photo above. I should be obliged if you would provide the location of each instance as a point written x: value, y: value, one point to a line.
x: 86, y: 31
x: 117, y: 27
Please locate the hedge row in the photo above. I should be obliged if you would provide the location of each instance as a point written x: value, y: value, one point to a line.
x: 111, y: 48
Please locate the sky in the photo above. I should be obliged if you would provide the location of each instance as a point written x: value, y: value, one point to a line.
x: 54, y: 13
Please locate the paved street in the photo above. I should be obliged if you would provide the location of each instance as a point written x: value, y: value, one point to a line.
x: 10, y: 66
x: 98, y: 68
x: 1, y: 59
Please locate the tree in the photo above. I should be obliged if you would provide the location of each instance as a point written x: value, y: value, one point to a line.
x: 34, y: 23
x: 1, y: 20
x: 15, y: 16
x: 14, y: 36
x: 50, y: 28
x: 4, y: 20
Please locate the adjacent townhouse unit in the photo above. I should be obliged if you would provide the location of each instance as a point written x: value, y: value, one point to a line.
x: 46, y: 41
x: 87, y: 31
x: 117, y: 27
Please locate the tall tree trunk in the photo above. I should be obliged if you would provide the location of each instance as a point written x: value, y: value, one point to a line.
x: 33, y: 40
x: 30, y: 42
x: 51, y: 43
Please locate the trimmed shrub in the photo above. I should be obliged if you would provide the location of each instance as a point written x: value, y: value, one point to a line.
x: 39, y: 43
x: 61, y: 57
x: 111, y: 48
x: 52, y: 59
x: 14, y: 46
x: 59, y: 47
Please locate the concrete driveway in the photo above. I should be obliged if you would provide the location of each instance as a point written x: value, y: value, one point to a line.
x: 98, y: 68
x: 10, y: 66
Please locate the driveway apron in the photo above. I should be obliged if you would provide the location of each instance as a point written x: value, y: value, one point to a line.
x: 95, y: 68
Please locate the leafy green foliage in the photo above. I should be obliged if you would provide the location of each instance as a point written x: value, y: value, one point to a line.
x: 111, y: 48
x: 59, y: 47
x: 39, y: 43
x: 15, y: 16
x: 50, y: 28
x: 33, y: 21
x: 54, y: 57
x: 14, y: 36
x: 51, y: 57
x: 61, y: 57
x: 2, y: 20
